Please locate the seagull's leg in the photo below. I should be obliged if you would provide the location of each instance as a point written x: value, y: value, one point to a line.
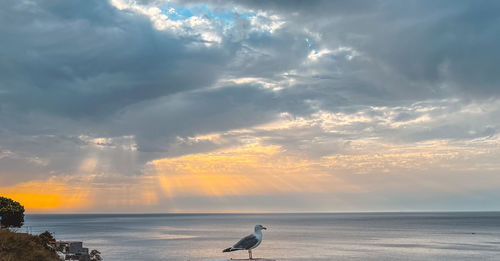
x: 250, y: 254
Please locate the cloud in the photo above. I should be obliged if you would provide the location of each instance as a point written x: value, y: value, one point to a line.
x: 250, y: 169
x: 107, y: 89
x: 72, y: 66
x: 368, y: 176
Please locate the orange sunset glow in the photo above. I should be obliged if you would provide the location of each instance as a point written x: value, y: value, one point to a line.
x: 39, y: 196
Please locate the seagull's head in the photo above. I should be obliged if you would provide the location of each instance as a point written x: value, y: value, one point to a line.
x: 259, y: 227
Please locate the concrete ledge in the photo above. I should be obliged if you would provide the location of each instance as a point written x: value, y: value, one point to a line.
x: 259, y: 259
x: 239, y: 259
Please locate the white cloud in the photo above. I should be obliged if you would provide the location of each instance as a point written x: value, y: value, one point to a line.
x: 194, y: 26
x: 348, y: 52
x: 315, y: 55
x: 207, y: 29
x: 264, y: 22
x: 126, y: 143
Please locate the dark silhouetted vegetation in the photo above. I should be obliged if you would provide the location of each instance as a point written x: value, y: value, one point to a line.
x: 95, y: 255
x: 25, y: 247
x: 12, y: 213
x: 44, y: 238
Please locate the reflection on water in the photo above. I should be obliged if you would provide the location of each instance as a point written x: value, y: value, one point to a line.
x: 366, y: 236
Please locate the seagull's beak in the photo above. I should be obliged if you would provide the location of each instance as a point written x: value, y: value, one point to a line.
x: 264, y: 228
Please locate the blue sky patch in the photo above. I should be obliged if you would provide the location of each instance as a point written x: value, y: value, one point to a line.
x: 181, y: 13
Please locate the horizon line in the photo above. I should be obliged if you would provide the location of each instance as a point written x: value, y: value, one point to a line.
x: 265, y: 212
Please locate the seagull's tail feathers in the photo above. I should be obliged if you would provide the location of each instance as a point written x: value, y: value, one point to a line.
x: 229, y: 249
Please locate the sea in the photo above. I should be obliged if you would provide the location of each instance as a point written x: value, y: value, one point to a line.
x: 304, y: 236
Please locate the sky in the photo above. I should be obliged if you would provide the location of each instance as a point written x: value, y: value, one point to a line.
x: 158, y: 106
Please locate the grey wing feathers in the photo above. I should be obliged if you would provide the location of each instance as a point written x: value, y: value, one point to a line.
x: 246, y: 242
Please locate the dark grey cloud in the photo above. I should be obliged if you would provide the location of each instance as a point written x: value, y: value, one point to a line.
x: 87, y: 59
x: 413, y: 49
x: 196, y: 113
x: 300, y: 8
x: 68, y: 67
x: 71, y: 71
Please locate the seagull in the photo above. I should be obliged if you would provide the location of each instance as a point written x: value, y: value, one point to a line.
x: 249, y: 242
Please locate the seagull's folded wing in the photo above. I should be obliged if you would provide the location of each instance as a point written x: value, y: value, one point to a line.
x: 246, y: 242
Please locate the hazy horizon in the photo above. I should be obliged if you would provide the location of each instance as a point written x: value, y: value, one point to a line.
x: 259, y: 213
x: 120, y: 106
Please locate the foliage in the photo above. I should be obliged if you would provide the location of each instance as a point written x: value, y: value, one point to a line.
x: 44, y: 238
x: 95, y: 255
x: 46, y: 235
x: 12, y: 213
x: 25, y: 247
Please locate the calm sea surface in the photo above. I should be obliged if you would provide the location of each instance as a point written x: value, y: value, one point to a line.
x: 366, y: 236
